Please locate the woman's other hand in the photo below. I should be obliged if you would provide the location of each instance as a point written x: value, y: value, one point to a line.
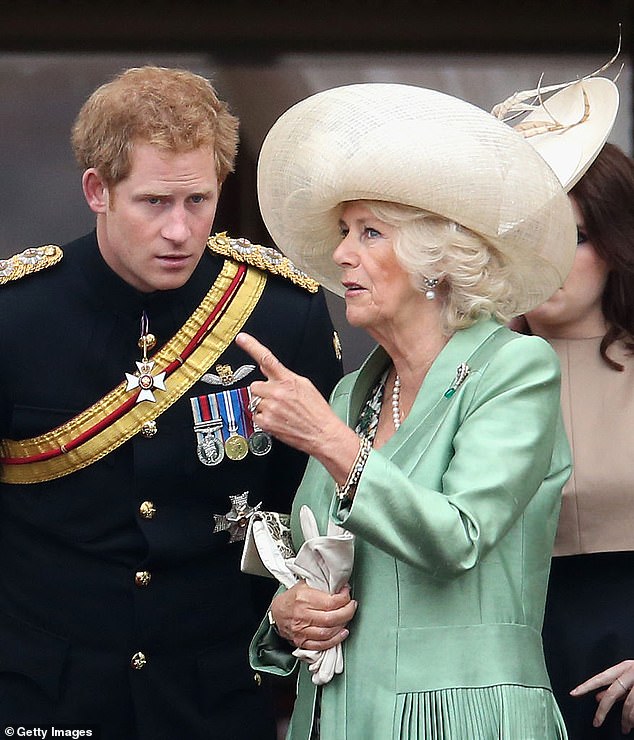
x: 312, y: 619
x: 619, y: 680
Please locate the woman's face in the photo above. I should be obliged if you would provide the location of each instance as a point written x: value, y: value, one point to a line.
x: 379, y: 292
x: 574, y: 311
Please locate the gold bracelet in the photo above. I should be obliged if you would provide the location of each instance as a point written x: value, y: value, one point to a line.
x: 343, y: 492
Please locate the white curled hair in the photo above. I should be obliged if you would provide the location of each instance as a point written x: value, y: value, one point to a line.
x: 474, y: 272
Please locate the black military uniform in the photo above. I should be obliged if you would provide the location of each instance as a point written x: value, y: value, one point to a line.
x: 119, y: 605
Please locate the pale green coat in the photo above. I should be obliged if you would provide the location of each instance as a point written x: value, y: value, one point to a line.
x: 454, y: 521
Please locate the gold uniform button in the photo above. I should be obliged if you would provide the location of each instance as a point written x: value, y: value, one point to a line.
x: 147, y: 510
x: 138, y: 661
x: 142, y: 577
x: 149, y: 429
x: 258, y: 679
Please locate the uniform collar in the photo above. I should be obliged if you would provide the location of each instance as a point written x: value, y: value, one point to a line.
x: 110, y: 292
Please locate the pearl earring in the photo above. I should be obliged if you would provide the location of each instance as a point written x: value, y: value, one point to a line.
x: 430, y: 285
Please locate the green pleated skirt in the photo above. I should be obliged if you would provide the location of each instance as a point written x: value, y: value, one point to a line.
x: 493, y: 713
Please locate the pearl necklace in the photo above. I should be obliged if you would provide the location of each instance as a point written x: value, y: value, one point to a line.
x: 396, y: 403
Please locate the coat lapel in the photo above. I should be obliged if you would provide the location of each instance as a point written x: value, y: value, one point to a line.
x: 431, y: 404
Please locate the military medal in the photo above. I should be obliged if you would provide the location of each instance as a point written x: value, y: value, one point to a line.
x: 236, y: 519
x: 260, y: 442
x: 143, y: 378
x: 208, y: 428
x: 224, y: 427
x: 236, y: 445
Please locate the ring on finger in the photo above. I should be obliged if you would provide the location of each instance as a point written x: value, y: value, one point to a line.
x: 622, y: 685
x: 255, y: 402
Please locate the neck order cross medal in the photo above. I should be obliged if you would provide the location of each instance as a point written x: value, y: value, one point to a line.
x: 143, y: 378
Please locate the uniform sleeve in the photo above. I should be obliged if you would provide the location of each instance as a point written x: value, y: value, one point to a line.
x: 501, y: 454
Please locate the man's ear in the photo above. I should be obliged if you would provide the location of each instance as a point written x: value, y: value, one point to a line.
x: 95, y: 190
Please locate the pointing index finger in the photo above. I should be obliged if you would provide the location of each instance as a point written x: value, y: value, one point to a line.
x: 267, y: 361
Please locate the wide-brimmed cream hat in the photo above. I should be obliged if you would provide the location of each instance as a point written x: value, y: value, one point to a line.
x: 422, y: 148
x: 570, y: 127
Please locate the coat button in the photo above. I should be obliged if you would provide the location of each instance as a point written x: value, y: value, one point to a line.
x: 147, y: 510
x: 142, y: 577
x: 138, y: 661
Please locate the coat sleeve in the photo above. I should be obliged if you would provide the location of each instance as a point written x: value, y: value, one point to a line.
x: 508, y: 442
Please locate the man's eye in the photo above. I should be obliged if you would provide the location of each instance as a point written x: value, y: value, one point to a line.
x: 197, y: 198
x: 153, y: 200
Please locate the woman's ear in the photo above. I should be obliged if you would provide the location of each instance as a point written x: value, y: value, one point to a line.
x: 95, y: 190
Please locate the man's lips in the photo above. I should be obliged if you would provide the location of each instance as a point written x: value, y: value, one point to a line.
x: 173, y: 259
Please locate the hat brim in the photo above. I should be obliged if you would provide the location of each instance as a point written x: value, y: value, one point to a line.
x: 419, y: 147
x: 581, y: 117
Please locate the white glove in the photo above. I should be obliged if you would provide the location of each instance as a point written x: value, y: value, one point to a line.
x: 325, y: 563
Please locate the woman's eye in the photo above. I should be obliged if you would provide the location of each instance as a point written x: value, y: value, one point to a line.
x: 582, y: 237
x: 372, y: 233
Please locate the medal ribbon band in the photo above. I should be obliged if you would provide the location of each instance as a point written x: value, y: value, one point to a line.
x: 116, y: 417
x: 245, y: 404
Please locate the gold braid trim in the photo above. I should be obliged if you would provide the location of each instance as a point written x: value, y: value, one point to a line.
x: 179, y: 382
x: 30, y: 260
x: 264, y: 258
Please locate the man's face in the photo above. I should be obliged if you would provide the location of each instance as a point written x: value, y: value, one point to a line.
x: 152, y: 226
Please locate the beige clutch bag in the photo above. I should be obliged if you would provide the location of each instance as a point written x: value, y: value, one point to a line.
x: 267, y: 542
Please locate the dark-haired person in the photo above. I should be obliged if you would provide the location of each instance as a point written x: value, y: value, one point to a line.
x: 590, y: 324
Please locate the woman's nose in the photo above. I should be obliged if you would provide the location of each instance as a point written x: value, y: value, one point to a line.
x: 344, y: 254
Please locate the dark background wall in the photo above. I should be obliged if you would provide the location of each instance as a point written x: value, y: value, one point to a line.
x: 258, y: 27
x: 263, y: 56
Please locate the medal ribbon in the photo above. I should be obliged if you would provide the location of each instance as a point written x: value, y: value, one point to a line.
x: 205, y: 409
x: 245, y: 405
x: 231, y: 413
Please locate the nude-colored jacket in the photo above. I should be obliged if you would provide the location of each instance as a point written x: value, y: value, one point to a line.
x: 597, y: 513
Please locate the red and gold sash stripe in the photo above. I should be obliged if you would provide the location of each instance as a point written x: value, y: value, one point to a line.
x: 116, y: 417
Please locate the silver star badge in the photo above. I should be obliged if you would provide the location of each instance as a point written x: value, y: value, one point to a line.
x: 145, y: 381
x: 236, y: 519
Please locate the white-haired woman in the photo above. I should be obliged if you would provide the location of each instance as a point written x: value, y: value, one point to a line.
x: 444, y: 454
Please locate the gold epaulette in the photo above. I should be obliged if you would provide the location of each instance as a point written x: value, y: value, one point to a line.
x: 264, y: 258
x: 31, y: 260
